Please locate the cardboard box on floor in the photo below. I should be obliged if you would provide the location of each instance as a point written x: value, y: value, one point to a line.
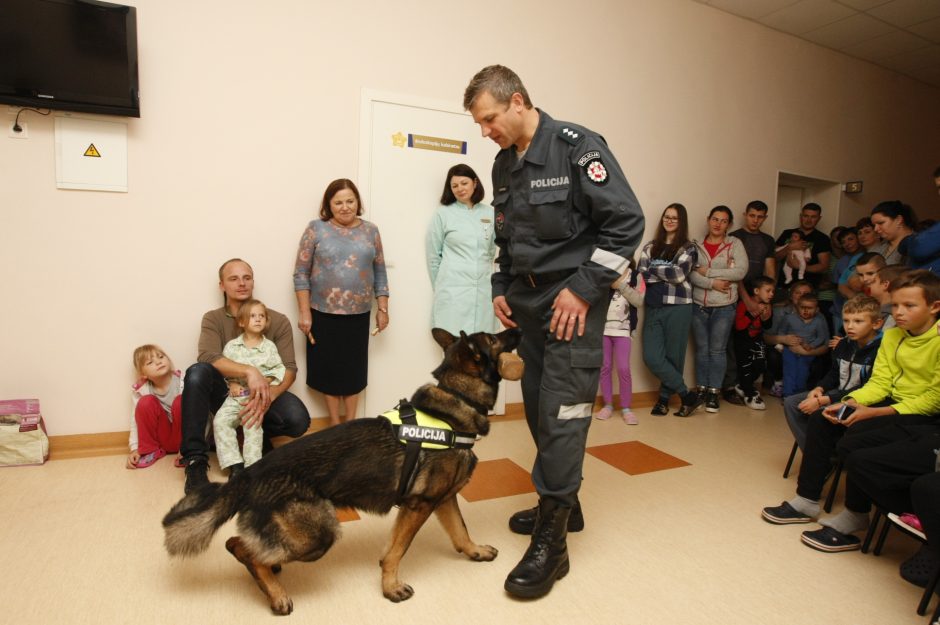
x: 23, y: 439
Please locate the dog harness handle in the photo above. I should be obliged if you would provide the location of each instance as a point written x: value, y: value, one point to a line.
x: 406, y: 412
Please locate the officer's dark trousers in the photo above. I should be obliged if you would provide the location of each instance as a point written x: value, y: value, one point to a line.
x: 558, y: 387
x: 204, y: 390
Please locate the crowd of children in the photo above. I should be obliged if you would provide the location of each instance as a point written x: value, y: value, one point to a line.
x: 854, y: 354
x: 785, y: 348
x: 875, y: 405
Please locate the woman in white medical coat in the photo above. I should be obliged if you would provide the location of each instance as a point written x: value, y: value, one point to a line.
x: 460, y: 251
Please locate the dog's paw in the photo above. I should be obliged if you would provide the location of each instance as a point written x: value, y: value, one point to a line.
x: 483, y: 553
x: 282, y: 606
x: 399, y: 592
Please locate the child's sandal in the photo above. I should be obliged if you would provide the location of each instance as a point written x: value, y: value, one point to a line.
x: 148, y: 459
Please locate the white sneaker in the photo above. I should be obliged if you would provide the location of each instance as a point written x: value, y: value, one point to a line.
x: 739, y: 391
x: 755, y: 403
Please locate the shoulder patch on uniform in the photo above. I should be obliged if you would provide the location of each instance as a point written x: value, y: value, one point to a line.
x: 594, y: 168
x: 571, y: 135
x: 588, y: 157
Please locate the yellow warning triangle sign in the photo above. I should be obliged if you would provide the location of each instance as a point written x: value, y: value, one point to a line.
x: 92, y: 151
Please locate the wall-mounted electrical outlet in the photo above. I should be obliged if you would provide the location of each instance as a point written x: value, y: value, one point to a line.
x: 22, y: 134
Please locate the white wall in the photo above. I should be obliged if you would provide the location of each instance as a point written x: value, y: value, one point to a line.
x: 249, y: 109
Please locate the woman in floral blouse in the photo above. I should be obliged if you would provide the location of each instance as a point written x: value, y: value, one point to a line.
x: 340, y: 268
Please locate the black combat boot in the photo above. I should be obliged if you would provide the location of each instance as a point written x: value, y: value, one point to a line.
x: 546, y: 559
x: 523, y: 522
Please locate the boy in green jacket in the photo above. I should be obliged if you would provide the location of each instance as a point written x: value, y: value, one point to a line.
x: 901, y: 398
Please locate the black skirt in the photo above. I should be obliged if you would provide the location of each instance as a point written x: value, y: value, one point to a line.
x: 338, y: 363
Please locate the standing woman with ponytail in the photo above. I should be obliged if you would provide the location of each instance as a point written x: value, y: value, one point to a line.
x: 722, y: 263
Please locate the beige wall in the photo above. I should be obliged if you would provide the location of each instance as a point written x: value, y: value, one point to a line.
x: 249, y: 109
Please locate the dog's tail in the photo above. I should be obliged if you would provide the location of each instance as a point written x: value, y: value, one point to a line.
x: 191, y: 523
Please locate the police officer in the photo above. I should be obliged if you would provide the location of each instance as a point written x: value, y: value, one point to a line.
x: 566, y: 221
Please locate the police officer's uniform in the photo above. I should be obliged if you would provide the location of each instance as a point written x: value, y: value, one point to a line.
x: 565, y: 216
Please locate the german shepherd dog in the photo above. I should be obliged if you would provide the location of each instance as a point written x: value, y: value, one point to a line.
x: 286, y: 501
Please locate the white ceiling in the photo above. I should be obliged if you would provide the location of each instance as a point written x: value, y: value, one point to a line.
x: 900, y: 35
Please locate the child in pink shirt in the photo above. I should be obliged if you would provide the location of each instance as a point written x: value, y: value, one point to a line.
x: 155, y: 427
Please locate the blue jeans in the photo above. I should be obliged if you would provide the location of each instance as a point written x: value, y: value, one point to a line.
x: 711, y: 326
x: 795, y: 372
x: 796, y: 418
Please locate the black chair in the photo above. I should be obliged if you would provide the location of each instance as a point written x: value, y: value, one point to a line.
x: 889, y: 520
x: 786, y: 470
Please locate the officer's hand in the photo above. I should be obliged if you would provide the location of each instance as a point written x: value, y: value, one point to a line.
x: 503, y: 312
x: 570, y: 311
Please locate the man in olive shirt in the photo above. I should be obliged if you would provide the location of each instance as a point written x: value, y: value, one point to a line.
x: 279, y: 412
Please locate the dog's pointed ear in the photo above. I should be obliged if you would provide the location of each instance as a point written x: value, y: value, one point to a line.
x: 444, y: 338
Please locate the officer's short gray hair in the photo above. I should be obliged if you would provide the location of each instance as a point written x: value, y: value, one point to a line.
x: 501, y: 82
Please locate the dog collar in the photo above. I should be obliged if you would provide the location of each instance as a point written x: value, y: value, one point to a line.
x: 483, y: 410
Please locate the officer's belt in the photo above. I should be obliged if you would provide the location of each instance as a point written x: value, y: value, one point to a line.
x: 550, y: 277
x: 418, y: 430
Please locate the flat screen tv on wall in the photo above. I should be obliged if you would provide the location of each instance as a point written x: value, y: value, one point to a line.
x: 74, y: 55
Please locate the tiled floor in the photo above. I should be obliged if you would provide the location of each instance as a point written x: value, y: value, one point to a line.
x: 504, y: 478
x: 635, y: 458
x: 497, y: 478
x: 673, y: 535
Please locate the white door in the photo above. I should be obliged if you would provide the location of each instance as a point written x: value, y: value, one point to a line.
x: 789, y: 204
x: 406, y: 147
